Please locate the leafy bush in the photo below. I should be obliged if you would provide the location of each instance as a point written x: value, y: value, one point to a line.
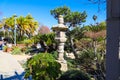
x: 27, y: 50
x: 27, y: 41
x: 43, y: 66
x: 72, y: 64
x: 55, y: 54
x: 86, y: 58
x: 74, y: 75
x: 5, y: 48
x: 16, y: 50
x: 48, y: 38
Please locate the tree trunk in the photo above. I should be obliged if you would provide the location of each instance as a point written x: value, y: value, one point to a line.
x: 95, y: 47
x: 72, y: 46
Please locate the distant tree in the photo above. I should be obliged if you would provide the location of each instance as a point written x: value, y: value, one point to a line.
x: 4, y: 25
x: 44, y: 30
x: 94, y: 17
x: 32, y: 25
x: 95, y: 32
x: 25, y: 26
x: 1, y: 24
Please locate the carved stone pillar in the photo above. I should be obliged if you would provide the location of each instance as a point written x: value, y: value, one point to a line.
x: 61, y: 51
x: 60, y: 37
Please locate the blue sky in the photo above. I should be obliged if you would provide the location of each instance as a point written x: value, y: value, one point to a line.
x: 40, y: 9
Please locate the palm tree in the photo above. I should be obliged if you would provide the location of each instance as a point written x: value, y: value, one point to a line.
x: 25, y: 25
x: 31, y: 25
x: 22, y: 26
x: 4, y: 26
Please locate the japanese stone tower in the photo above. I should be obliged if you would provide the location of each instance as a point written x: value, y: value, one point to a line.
x: 60, y: 37
x: 113, y: 40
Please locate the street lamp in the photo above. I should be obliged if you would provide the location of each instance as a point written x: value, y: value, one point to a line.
x: 15, y: 26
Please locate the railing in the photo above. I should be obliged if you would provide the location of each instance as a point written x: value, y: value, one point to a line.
x: 16, y: 77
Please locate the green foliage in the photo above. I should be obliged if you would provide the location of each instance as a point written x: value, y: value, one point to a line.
x: 27, y: 50
x: 16, y: 50
x: 75, y: 18
x: 74, y: 75
x: 77, y: 33
x: 5, y: 48
x: 87, y: 54
x: 43, y: 66
x: 27, y: 41
x: 72, y: 19
x: 1, y: 33
x: 48, y: 38
x: 86, y: 58
x: 96, y: 27
x: 20, y: 41
x: 25, y: 26
x: 55, y: 54
x: 60, y: 11
x: 49, y: 41
x: 71, y: 63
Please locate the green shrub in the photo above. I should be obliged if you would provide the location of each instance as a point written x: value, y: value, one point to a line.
x: 72, y: 64
x: 47, y: 38
x: 55, y: 54
x: 5, y: 48
x: 16, y: 50
x: 74, y: 75
x: 43, y: 66
x: 27, y: 41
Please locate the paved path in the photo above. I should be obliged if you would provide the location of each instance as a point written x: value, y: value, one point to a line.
x: 9, y: 65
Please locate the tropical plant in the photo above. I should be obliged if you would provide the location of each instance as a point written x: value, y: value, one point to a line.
x: 92, y: 64
x: 16, y: 50
x: 5, y: 48
x: 25, y: 26
x: 43, y: 66
x: 3, y: 25
x: 47, y: 38
x: 86, y: 60
x: 27, y: 42
x: 32, y: 25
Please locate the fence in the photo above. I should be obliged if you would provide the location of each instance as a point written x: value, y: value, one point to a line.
x: 16, y: 77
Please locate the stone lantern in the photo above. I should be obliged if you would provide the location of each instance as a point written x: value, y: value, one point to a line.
x: 60, y: 37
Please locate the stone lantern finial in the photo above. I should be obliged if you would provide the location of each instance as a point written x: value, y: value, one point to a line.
x: 60, y: 19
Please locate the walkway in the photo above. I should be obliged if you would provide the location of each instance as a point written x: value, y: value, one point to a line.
x: 9, y: 65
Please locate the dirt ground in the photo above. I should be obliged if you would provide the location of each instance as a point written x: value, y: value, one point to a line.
x: 21, y: 57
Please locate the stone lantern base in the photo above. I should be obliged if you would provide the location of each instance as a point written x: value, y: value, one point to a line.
x: 63, y: 65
